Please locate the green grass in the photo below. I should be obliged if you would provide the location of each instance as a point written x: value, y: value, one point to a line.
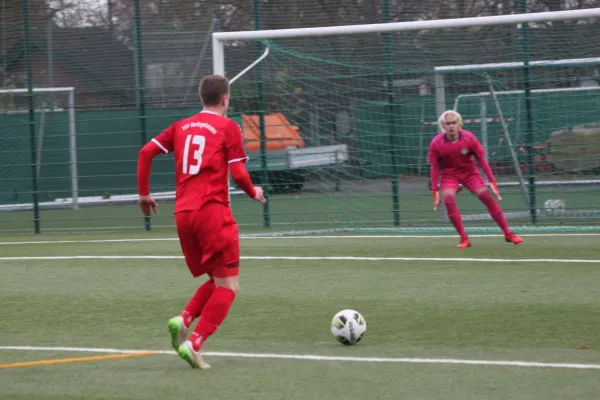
x: 538, y: 312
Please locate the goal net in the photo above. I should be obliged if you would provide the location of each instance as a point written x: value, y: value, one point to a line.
x: 49, y: 161
x: 527, y: 85
x: 565, y: 149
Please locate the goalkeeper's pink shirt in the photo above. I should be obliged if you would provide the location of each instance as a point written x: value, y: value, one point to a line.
x: 457, y: 159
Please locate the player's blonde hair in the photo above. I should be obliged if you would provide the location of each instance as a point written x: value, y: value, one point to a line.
x: 452, y: 113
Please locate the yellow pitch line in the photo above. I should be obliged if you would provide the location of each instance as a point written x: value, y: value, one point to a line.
x: 74, y: 360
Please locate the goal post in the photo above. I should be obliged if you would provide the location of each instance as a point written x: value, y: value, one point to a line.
x: 379, y: 88
x: 45, y: 100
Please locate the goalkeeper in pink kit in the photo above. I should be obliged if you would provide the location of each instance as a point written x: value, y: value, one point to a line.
x: 452, y: 156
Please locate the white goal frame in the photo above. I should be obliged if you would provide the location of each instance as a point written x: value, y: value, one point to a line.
x: 441, y: 71
x: 70, y: 91
x: 483, y: 96
x: 219, y: 38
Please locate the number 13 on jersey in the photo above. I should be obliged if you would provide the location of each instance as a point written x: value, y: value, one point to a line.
x: 197, y: 143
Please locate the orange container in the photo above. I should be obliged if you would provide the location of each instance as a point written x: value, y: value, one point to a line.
x: 278, y: 132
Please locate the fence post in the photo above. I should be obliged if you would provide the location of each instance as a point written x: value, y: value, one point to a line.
x: 393, y: 130
x: 261, y: 121
x: 528, y: 115
x: 140, y: 84
x: 34, y: 177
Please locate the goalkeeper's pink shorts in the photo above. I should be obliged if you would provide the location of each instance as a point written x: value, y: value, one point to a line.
x: 473, y: 182
x: 209, y: 240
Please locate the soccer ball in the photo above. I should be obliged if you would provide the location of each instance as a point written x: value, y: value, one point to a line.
x: 554, y: 207
x: 348, y: 327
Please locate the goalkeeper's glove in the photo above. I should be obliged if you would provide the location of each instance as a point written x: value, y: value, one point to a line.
x: 436, y: 200
x: 494, y: 186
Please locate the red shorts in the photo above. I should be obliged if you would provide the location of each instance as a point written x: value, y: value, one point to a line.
x: 209, y: 240
x: 473, y: 182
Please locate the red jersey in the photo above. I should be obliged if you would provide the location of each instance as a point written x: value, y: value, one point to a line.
x: 204, y: 146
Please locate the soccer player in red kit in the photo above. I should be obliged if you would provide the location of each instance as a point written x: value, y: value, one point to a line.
x: 207, y: 146
x: 452, y: 155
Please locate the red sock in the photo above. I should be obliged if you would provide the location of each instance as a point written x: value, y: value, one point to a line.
x: 454, y: 215
x: 213, y: 315
x: 494, y: 210
x: 194, y: 307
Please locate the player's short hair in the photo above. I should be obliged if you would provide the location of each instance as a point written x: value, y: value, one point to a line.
x: 212, y: 89
x: 452, y: 113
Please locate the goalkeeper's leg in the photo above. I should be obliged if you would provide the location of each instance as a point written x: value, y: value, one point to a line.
x: 449, y: 190
x: 496, y: 213
x: 456, y: 219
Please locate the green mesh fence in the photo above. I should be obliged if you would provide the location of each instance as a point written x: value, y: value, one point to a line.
x: 364, y: 107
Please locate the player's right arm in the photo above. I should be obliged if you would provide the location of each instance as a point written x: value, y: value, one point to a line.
x: 236, y: 158
x: 434, y: 160
x: 163, y: 143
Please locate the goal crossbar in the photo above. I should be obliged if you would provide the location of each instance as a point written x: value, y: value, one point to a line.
x: 575, y: 62
x: 408, y: 26
x: 38, y: 90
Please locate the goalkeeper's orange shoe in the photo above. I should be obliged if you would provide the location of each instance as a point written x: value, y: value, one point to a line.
x: 464, y: 243
x: 512, y: 238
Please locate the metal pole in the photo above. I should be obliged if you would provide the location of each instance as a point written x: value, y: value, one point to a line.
x: 440, y: 94
x: 51, y: 62
x: 483, y: 116
x: 140, y: 84
x: 528, y: 115
x: 509, y: 142
x: 261, y: 119
x: 73, y: 152
x: 110, y: 11
x: 392, y: 117
x: 4, y: 50
x: 34, y: 180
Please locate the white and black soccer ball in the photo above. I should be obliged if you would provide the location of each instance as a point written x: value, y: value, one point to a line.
x: 348, y: 327
x: 554, y: 206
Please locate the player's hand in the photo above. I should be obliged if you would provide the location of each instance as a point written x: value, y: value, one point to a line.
x: 260, y: 194
x: 147, y: 204
x: 436, y: 200
x: 494, y: 186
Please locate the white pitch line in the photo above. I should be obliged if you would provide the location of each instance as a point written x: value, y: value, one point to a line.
x: 311, y: 258
x: 311, y: 357
x: 314, y: 237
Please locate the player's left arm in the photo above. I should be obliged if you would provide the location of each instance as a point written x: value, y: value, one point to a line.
x: 163, y: 143
x: 479, y: 153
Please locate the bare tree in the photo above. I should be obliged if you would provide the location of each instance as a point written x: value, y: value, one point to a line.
x: 11, y: 31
